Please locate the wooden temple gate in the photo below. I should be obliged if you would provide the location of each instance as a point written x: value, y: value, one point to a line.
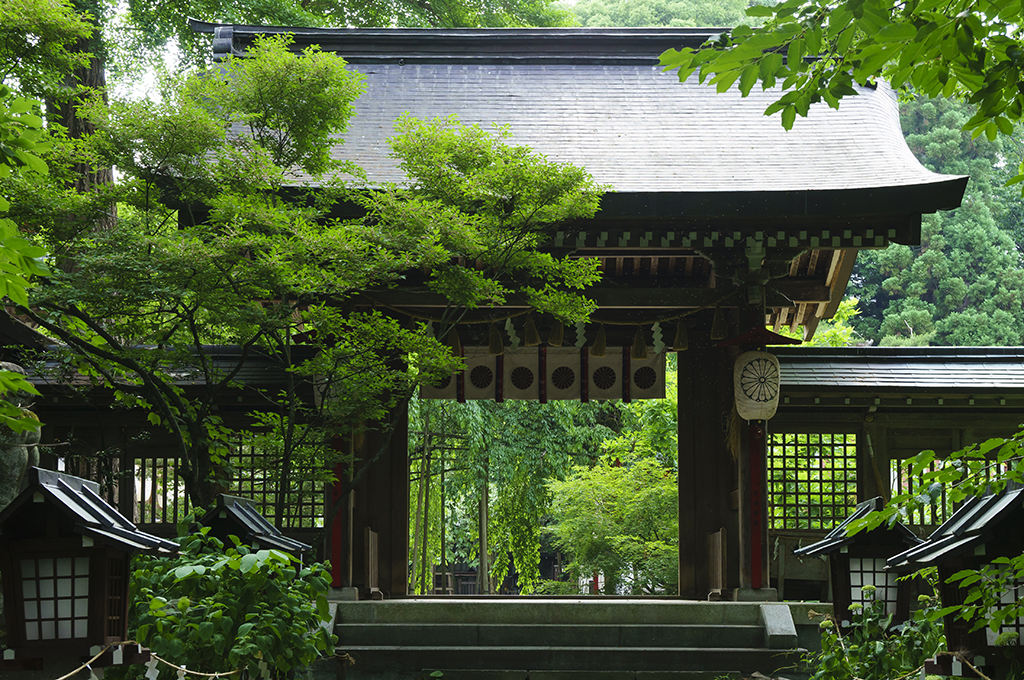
x: 716, y: 214
x: 715, y: 210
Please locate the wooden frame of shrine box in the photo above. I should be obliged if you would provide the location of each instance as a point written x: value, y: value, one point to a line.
x: 981, y: 530
x: 65, y: 558
x: 859, y: 560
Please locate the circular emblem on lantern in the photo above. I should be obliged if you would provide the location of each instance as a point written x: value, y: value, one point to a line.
x: 756, y: 385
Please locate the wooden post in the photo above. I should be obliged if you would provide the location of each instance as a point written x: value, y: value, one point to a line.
x: 380, y: 501
x: 707, y: 471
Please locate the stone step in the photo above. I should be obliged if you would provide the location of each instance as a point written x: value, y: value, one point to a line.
x: 493, y: 674
x: 547, y: 634
x: 391, y: 661
x: 594, y: 610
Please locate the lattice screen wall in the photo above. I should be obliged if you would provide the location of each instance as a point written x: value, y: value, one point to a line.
x: 812, y: 480
x: 932, y: 515
x: 160, y: 493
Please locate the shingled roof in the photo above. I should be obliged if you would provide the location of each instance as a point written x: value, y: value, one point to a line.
x: 934, y: 369
x: 597, y: 98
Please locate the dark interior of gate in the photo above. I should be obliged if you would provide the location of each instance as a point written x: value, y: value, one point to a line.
x: 710, y: 205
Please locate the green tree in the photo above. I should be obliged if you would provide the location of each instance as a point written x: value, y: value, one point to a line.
x: 598, y: 13
x: 818, y: 50
x: 964, y: 285
x: 512, y: 449
x: 209, y: 250
x: 620, y: 517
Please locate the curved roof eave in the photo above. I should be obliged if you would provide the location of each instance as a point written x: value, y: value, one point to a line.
x: 597, y: 98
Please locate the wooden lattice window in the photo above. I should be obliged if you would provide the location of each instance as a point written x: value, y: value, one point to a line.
x: 870, y: 571
x: 160, y: 496
x: 257, y: 478
x: 117, y: 589
x: 812, y: 480
x: 55, y: 596
x: 901, y: 482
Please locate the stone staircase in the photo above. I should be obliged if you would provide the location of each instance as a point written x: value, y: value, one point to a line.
x: 528, y: 638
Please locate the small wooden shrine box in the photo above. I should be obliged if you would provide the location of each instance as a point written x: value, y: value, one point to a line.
x: 64, y: 557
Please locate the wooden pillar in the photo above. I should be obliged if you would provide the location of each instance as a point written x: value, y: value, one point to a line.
x: 379, y: 504
x: 751, y: 471
x: 707, y: 470
x: 753, y: 501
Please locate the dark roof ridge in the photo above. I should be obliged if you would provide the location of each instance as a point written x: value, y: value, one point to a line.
x: 476, y: 44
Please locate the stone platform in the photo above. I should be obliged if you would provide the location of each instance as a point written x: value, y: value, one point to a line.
x: 551, y: 638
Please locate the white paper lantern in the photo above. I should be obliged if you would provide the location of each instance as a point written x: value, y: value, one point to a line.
x: 756, y: 385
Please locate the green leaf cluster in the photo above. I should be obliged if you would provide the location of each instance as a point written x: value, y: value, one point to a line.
x: 620, y: 517
x: 871, y: 648
x: 216, y: 609
x: 817, y: 51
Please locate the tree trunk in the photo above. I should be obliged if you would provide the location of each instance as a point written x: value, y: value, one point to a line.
x: 79, y: 85
x: 484, y: 569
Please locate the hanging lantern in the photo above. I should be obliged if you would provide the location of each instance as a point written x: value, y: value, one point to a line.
x: 756, y: 385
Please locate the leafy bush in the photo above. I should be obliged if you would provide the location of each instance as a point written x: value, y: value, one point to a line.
x: 216, y: 610
x: 874, y: 649
x: 552, y: 587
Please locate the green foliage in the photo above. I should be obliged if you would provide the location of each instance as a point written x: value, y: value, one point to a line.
x: 818, y: 50
x: 872, y: 648
x: 37, y: 43
x: 20, y: 142
x: 975, y: 470
x: 492, y: 204
x: 216, y: 610
x: 620, y: 518
x: 269, y: 91
x: 964, y: 285
x: 598, y: 13
x: 513, y: 447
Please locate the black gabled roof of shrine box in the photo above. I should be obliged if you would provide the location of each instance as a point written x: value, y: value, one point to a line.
x: 597, y: 98
x: 237, y: 516
x: 977, y: 521
x: 898, y: 534
x: 78, y: 502
x: 903, y: 369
